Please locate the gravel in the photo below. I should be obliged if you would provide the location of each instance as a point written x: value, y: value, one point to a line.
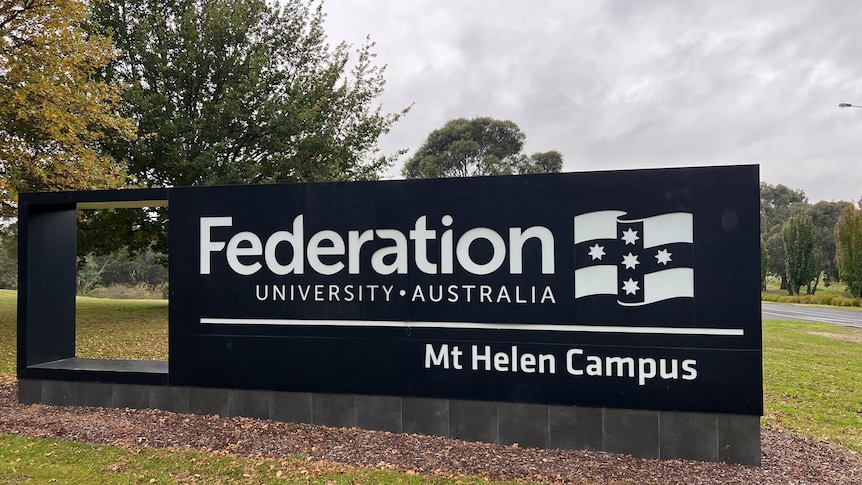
x: 787, y: 458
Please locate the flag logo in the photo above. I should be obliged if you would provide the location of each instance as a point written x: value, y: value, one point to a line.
x: 640, y: 261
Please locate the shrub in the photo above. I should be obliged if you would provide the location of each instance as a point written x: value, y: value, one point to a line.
x: 816, y: 299
x: 141, y: 291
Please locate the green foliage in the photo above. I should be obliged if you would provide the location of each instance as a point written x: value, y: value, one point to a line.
x: 119, y: 269
x: 234, y: 92
x: 801, y: 259
x: 9, y: 257
x: 107, y: 232
x: 134, y: 273
x: 832, y: 295
x: 237, y: 92
x: 764, y: 265
x: 825, y: 216
x: 811, y: 380
x: 54, y: 113
x: 540, y: 162
x: 142, y: 269
x: 140, y: 291
x: 88, y: 275
x: 477, y: 147
x: 821, y: 298
x: 848, y: 238
x: 777, y: 202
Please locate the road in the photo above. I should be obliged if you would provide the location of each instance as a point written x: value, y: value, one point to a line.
x: 837, y: 316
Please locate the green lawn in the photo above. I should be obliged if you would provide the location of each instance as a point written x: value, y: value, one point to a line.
x: 138, y: 329
x: 109, y: 329
x: 811, y: 386
x: 26, y: 460
x: 811, y: 381
x: 8, y: 310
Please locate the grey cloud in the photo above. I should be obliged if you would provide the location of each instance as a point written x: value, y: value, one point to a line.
x: 624, y: 84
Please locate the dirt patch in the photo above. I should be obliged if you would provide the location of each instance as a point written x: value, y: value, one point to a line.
x: 837, y: 336
x: 787, y: 458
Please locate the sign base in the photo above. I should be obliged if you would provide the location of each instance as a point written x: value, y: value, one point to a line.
x: 730, y: 438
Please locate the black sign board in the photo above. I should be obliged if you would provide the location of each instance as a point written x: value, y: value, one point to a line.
x: 633, y: 289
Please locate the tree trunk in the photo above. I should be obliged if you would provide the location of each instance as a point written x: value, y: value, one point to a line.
x: 813, y: 289
x: 783, y: 283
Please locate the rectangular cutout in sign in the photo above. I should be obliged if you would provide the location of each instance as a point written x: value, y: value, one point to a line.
x: 632, y: 289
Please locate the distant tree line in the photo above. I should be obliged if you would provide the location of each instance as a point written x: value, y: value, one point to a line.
x: 805, y: 245
x: 121, y: 269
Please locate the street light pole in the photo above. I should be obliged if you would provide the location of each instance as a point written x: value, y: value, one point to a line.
x: 848, y: 105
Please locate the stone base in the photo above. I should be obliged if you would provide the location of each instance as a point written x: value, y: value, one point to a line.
x: 728, y: 438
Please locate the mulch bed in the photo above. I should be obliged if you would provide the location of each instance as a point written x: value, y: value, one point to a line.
x: 787, y: 458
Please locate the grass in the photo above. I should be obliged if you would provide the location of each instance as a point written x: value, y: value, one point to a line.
x: 138, y: 329
x: 141, y: 291
x: 49, y: 461
x: 811, y: 381
x: 8, y: 327
x: 811, y: 386
x: 107, y: 329
x: 832, y: 295
x: 773, y: 285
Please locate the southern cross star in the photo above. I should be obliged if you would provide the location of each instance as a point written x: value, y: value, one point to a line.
x: 630, y: 261
x: 630, y: 236
x: 663, y: 257
x: 596, y: 252
x: 631, y: 287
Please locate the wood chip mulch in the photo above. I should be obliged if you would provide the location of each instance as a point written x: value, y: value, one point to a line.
x: 787, y: 458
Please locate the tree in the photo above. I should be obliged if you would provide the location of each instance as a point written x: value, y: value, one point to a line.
x: 9, y: 256
x: 107, y: 231
x: 235, y: 92
x: 764, y: 265
x: 777, y: 202
x: 801, y: 259
x: 825, y: 216
x: 541, y: 162
x: 848, y: 238
x: 120, y: 269
x: 477, y: 147
x: 54, y: 113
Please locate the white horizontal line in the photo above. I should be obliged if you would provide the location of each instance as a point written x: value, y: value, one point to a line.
x: 477, y: 326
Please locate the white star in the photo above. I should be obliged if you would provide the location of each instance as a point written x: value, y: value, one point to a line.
x: 663, y: 257
x: 630, y: 236
x: 630, y: 260
x: 596, y: 252
x: 631, y: 287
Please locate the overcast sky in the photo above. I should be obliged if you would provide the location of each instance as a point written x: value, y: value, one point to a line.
x: 629, y: 84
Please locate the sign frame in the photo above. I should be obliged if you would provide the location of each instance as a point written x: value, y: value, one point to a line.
x: 410, y: 349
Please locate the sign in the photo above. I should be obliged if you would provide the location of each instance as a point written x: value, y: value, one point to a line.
x: 633, y: 289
